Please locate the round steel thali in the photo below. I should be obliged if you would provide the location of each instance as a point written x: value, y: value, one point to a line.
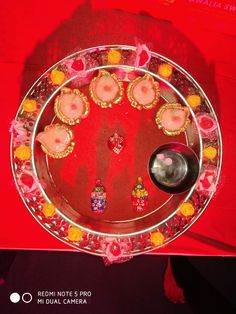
x: 57, y: 192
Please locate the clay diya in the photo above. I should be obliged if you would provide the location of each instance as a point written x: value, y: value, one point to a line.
x: 71, y: 106
x: 172, y: 119
x: 106, y: 89
x: 143, y: 92
x: 56, y: 140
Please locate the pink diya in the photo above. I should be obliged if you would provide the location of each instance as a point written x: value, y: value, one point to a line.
x: 106, y: 89
x: 71, y: 106
x: 143, y: 92
x: 56, y: 140
x: 172, y: 119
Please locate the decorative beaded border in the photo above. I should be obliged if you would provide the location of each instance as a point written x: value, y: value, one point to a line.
x: 113, y: 247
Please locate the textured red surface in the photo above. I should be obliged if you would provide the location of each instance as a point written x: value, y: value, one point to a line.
x: 199, y: 37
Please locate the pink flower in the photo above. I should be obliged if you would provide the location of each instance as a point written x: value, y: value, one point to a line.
x: 206, y: 181
x: 76, y: 66
x: 28, y: 183
x: 143, y: 55
x: 206, y: 124
x: 117, y: 252
x: 18, y: 130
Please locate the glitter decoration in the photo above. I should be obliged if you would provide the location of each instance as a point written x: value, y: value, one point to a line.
x: 139, y: 196
x: 98, y: 198
x: 116, y: 143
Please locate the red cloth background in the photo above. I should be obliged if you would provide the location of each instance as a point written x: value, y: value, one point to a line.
x: 198, y: 35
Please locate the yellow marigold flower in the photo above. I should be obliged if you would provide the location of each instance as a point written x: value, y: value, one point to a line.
x: 114, y: 56
x: 23, y: 152
x: 48, y: 209
x: 165, y: 70
x: 57, y: 77
x: 157, y: 238
x: 74, y: 234
x: 187, y: 209
x: 193, y: 101
x: 29, y: 105
x: 210, y: 152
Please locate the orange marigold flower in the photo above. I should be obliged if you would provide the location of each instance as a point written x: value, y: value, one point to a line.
x: 57, y: 77
x: 48, y: 209
x: 23, y: 152
x: 29, y: 105
x: 193, y: 101
x: 210, y: 152
x: 74, y: 234
x: 165, y: 70
x: 114, y: 56
x: 187, y: 209
x: 157, y: 238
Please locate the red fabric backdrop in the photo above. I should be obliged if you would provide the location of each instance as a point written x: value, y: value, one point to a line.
x: 199, y: 35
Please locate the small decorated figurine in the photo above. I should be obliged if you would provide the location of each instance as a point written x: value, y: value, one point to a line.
x: 98, y: 198
x: 139, y: 196
x: 116, y: 143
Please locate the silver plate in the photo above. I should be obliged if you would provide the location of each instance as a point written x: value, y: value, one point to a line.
x: 133, y: 233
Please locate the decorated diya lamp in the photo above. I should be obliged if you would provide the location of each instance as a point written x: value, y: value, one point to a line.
x: 71, y: 106
x: 174, y: 167
x: 139, y: 196
x: 56, y: 140
x: 98, y: 198
x: 143, y: 92
x: 106, y: 89
x: 173, y: 119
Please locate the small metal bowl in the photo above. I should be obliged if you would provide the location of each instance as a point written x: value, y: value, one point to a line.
x: 174, y: 167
